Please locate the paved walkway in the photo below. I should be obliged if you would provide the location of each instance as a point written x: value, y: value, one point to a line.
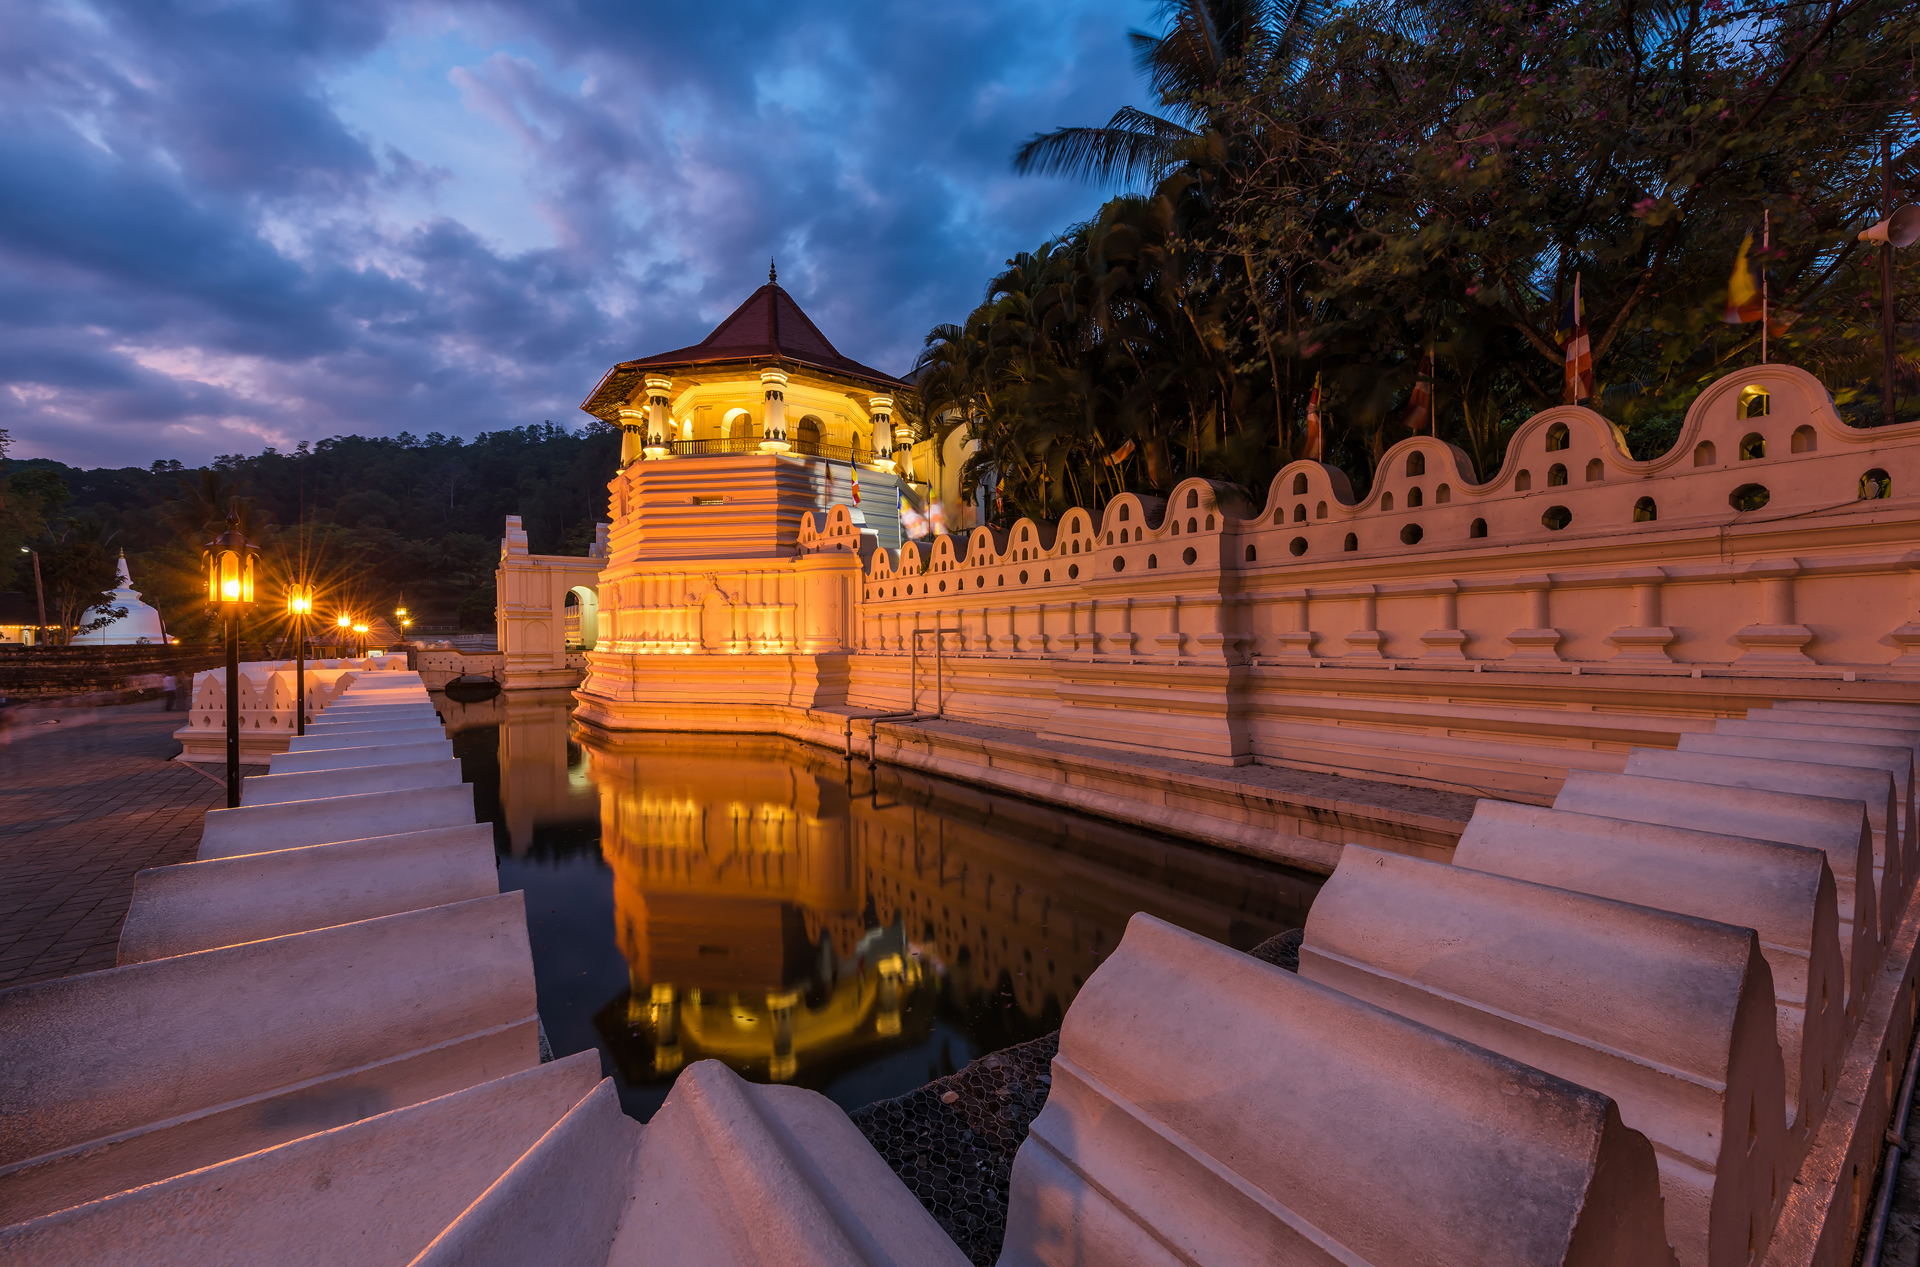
x: 88, y: 797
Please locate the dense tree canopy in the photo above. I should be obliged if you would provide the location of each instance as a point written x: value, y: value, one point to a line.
x: 1352, y: 194
x: 375, y: 520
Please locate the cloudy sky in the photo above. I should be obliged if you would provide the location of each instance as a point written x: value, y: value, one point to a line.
x: 226, y: 224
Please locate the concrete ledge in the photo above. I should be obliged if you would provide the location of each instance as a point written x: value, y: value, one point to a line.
x: 365, y: 739
x: 222, y: 902
x: 1783, y: 892
x: 562, y: 1202
x: 1872, y: 788
x: 1837, y: 828
x: 1895, y: 760
x: 120, y: 1078
x: 372, y: 725
x: 1671, y: 1016
x: 1268, y: 1119
x: 325, y: 821
x: 1277, y: 814
x: 1832, y: 1196
x: 355, y: 758
x: 819, y: 1194
x: 396, y: 776
x: 375, y: 1191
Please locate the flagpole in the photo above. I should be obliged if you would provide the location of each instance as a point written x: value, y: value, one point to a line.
x: 1766, y: 239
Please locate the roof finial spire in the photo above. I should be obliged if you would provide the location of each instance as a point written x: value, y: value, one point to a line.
x: 773, y: 274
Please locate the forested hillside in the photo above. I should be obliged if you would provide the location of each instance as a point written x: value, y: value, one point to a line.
x: 379, y: 519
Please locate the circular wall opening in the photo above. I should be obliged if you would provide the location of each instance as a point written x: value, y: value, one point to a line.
x: 1557, y: 517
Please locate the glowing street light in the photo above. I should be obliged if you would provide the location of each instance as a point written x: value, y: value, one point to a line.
x: 300, y: 608
x: 361, y: 629
x: 229, y: 561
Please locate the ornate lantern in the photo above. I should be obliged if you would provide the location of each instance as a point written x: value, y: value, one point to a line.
x: 229, y: 559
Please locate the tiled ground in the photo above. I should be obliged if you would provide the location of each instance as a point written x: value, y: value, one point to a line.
x: 88, y: 797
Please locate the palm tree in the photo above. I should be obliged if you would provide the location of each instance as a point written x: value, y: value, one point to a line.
x: 1208, y: 44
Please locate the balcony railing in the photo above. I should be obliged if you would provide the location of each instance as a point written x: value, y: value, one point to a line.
x: 751, y: 444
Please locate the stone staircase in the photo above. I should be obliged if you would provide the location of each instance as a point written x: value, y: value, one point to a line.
x: 1660, y: 1022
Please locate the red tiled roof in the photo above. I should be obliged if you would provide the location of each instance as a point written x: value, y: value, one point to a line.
x: 768, y: 327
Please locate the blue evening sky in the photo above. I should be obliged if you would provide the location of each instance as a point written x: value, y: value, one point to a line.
x: 229, y: 224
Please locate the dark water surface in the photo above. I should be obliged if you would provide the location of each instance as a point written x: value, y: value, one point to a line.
x: 807, y: 920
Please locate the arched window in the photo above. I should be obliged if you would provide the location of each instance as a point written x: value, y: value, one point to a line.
x: 1556, y: 475
x: 1478, y: 528
x: 1190, y: 527
x: 1645, y: 511
x: 1875, y: 484
x: 1109, y: 538
x: 1176, y: 527
x: 1413, y: 498
x: 1557, y: 437
x: 1193, y: 498
x: 1249, y: 554
x: 1209, y: 523
x: 1703, y: 453
x: 1752, y: 445
x: 1300, y: 484
x: 808, y: 432
x: 1153, y: 561
x: 1442, y: 495
x: 1416, y: 464
x: 1320, y: 510
x: 1076, y: 547
x: 1804, y: 440
x: 1523, y: 481
x: 1126, y: 512
x: 1596, y: 470
x: 1386, y: 501
x: 1280, y: 514
x: 1754, y: 402
x: 1023, y: 534
x: 1300, y: 513
x: 1352, y: 542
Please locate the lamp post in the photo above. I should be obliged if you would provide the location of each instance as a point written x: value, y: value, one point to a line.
x: 229, y: 560
x: 342, y: 625
x: 300, y: 608
x: 361, y: 630
x: 39, y: 592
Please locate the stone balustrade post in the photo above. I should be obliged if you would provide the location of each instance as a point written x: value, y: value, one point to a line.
x: 1446, y: 641
x: 1776, y: 638
x: 1365, y: 641
x: 1645, y: 641
x: 1538, y: 641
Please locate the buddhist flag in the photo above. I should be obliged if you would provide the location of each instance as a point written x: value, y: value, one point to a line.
x: 1573, y: 331
x: 1420, y: 403
x: 1121, y: 454
x: 1743, y: 293
x: 1315, y: 447
x: 856, y: 484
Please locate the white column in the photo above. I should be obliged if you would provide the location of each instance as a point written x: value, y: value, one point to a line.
x: 630, y: 441
x: 659, y: 420
x: 774, y: 433
x: 882, y: 408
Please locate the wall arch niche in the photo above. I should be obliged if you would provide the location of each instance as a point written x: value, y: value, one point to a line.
x: 582, y: 612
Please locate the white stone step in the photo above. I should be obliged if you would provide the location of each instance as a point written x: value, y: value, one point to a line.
x: 1785, y: 893
x: 819, y: 1192
x: 374, y: 1192
x: 561, y: 1203
x: 131, y: 1075
x: 406, y: 721
x: 1673, y: 1017
x: 1872, y: 788
x: 325, y: 821
x: 357, y: 738
x: 396, y: 776
x: 1838, y: 828
x: 1908, y: 712
x: 369, y: 712
x: 1207, y: 1108
x: 355, y: 758
x: 225, y: 901
x: 1897, y: 760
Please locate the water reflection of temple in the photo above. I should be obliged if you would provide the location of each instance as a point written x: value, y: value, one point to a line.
x: 792, y: 915
x: 740, y: 910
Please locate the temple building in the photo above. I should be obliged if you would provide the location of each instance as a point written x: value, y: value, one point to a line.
x: 141, y: 624
x: 767, y: 382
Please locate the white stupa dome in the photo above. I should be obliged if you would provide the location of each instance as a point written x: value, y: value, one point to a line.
x: 140, y: 624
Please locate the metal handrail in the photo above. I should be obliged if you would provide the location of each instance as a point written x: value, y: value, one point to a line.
x: 913, y: 712
x: 751, y: 444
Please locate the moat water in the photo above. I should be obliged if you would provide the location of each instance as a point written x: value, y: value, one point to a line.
x: 807, y: 920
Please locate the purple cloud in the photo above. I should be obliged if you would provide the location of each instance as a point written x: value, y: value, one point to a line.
x: 222, y: 227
